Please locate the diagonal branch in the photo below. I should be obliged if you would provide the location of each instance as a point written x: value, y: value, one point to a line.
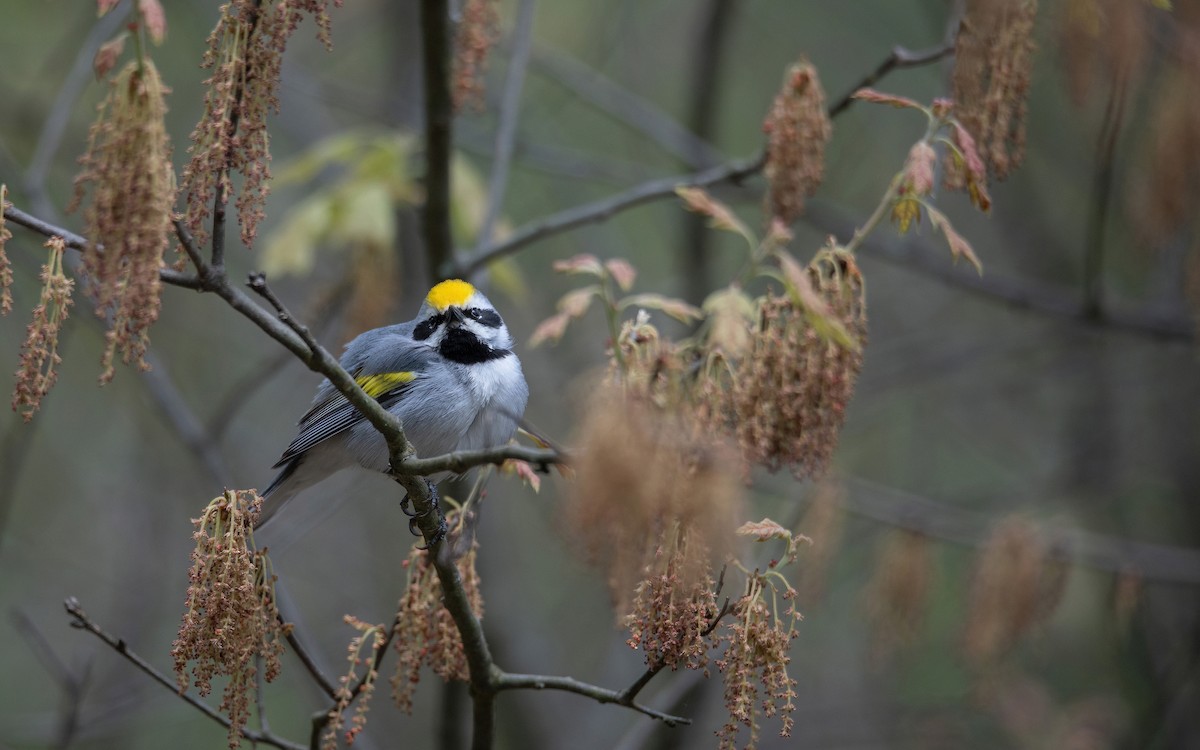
x: 900, y: 57
x: 511, y: 681
x: 79, y: 619
x: 606, y: 208
x: 732, y: 172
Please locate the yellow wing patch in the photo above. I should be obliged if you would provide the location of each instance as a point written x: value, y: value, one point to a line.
x: 381, y: 383
x: 452, y: 293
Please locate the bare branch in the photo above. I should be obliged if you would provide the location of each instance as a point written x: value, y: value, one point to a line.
x: 732, y: 172
x: 606, y: 208
x: 900, y: 57
x: 72, y: 685
x: 79, y: 619
x: 439, y: 118
x: 77, y: 242
x: 509, y: 681
x: 310, y: 665
x: 626, y: 107
x: 460, y: 461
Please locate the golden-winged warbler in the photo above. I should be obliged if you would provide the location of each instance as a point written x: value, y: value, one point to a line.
x: 449, y: 374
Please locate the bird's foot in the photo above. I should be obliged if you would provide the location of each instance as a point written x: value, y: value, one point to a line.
x: 414, y: 518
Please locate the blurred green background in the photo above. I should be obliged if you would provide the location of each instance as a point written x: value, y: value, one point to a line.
x: 979, y: 398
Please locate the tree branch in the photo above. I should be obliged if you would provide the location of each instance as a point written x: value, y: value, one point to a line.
x: 606, y: 208
x: 310, y: 665
x: 511, y: 681
x: 460, y: 461
x: 439, y: 113
x: 626, y: 107
x: 658, y: 189
x: 79, y: 619
x: 900, y: 57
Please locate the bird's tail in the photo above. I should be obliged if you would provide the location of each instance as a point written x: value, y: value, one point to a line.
x: 286, y: 485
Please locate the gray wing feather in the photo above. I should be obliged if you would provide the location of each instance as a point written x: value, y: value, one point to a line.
x: 390, y: 349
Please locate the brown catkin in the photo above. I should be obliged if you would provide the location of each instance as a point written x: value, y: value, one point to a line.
x: 127, y: 170
x: 898, y: 594
x: 797, y: 129
x: 791, y: 392
x: 39, y: 354
x: 231, y: 617
x: 477, y: 34
x: 993, y: 62
x: 1011, y: 589
x: 6, y: 277
x: 425, y: 632
x: 649, y: 484
x: 245, y: 54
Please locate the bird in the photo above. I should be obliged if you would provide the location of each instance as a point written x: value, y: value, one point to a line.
x: 449, y: 374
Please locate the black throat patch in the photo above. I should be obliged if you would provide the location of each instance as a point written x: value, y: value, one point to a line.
x: 462, y: 346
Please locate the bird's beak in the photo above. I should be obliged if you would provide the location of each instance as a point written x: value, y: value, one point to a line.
x: 455, y: 314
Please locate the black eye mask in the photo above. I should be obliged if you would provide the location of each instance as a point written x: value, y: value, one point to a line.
x: 425, y: 328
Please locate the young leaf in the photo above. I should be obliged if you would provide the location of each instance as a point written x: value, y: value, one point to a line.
x: 878, y: 97
x: 764, y: 530
x: 721, y: 216
x: 551, y: 329
x: 622, y: 272
x: 584, y: 263
x: 676, y: 308
x: 106, y: 57
x: 959, y: 247
x: 575, y: 303
x: 523, y: 471
x: 155, y: 19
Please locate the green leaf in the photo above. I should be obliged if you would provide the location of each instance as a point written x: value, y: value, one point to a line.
x: 365, y: 214
x: 291, y: 248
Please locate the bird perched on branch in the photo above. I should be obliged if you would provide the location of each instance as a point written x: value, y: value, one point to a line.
x: 449, y: 374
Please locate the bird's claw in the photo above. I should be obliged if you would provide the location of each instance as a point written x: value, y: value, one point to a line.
x: 414, y: 518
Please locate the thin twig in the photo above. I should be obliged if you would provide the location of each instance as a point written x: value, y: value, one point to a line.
x: 321, y: 718
x: 510, y: 111
x: 511, y: 681
x: 310, y: 665
x: 900, y: 57
x: 659, y: 189
x: 257, y: 282
x: 80, y: 620
x: 73, y: 685
x: 626, y: 107
x: 606, y: 208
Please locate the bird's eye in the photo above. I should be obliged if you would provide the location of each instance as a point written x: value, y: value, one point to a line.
x: 473, y: 313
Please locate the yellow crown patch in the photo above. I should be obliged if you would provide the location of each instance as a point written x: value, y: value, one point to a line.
x: 452, y: 293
